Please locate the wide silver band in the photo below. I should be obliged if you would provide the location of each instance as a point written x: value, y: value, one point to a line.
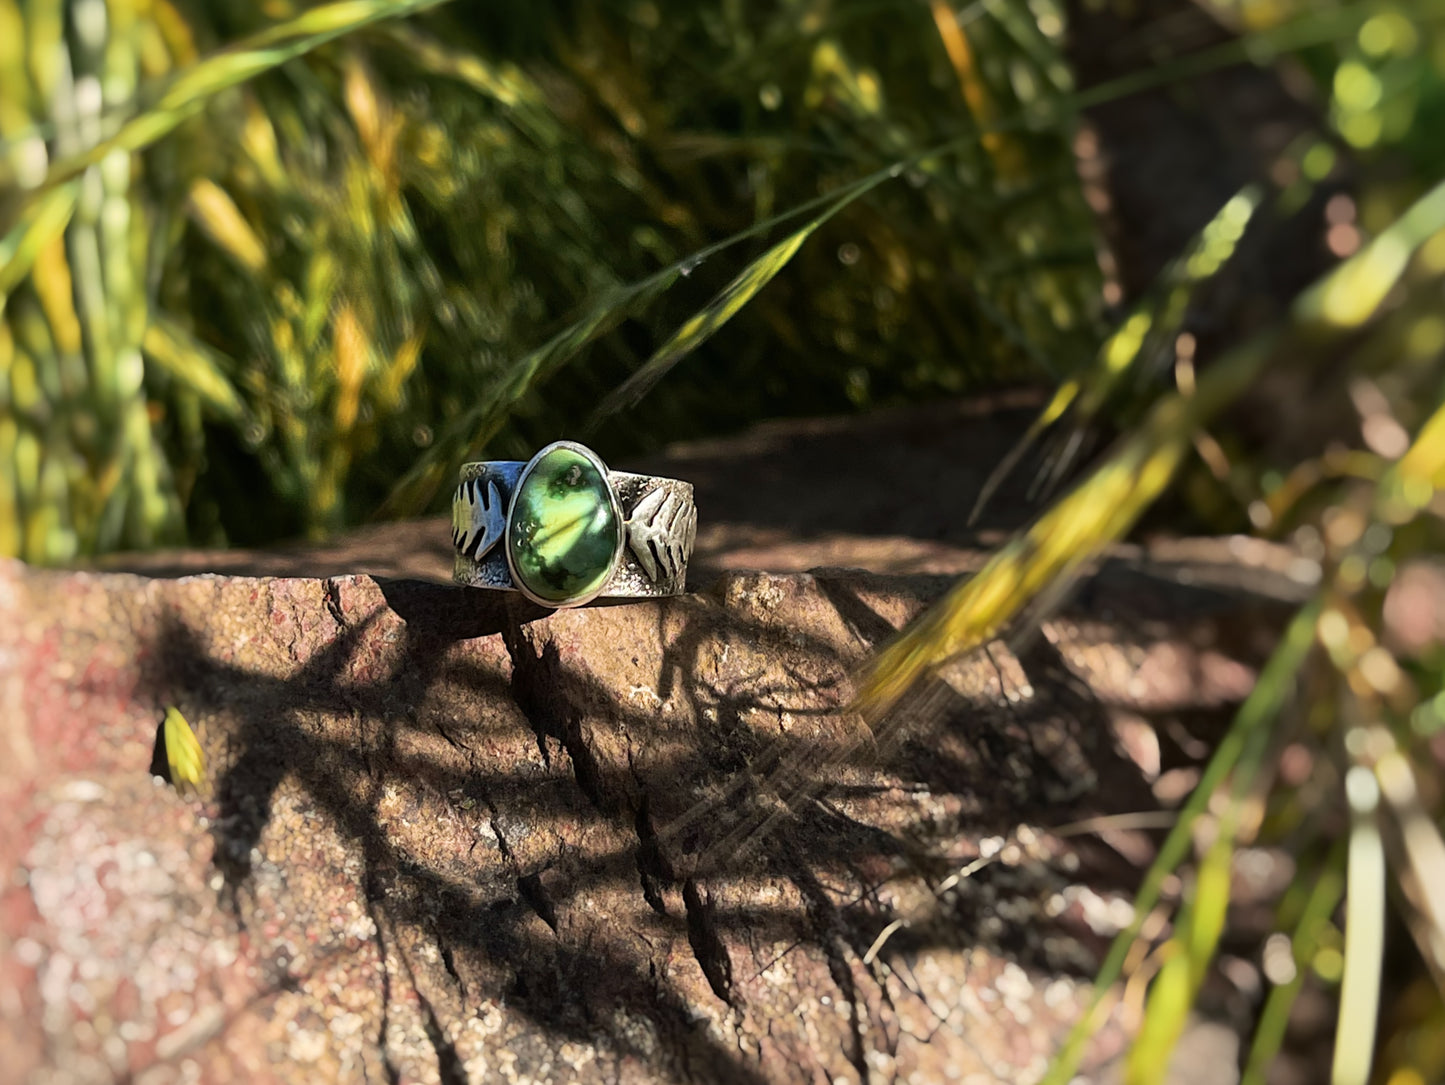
x: 657, y: 516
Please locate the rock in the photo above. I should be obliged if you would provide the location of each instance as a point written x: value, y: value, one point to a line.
x: 454, y: 837
x: 451, y: 837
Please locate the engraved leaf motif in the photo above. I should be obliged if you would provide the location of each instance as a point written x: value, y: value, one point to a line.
x: 660, y: 533
x: 478, y: 518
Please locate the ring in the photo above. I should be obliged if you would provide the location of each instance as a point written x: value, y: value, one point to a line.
x: 563, y: 530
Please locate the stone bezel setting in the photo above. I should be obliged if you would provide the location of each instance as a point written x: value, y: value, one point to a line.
x: 604, y: 474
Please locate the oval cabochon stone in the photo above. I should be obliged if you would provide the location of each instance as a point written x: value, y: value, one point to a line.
x: 563, y: 535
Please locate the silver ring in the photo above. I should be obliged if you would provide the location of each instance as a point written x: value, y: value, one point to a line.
x: 563, y: 530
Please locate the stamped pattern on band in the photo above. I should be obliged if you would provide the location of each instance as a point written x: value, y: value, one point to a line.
x: 479, y: 517
x: 661, y: 531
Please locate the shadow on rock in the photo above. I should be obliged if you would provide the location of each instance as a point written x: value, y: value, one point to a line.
x: 652, y: 833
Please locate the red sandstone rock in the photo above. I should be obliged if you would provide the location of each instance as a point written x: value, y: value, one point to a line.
x: 451, y: 838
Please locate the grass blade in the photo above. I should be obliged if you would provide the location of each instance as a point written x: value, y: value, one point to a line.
x: 1188, y: 956
x: 1201, y: 920
x: 1100, y: 510
x: 194, y: 365
x: 45, y: 221
x: 466, y: 435
x: 1364, y: 933
x: 1106, y: 504
x: 1153, y: 322
x: 1274, y: 1018
x: 469, y: 433
x: 722, y: 308
x: 1259, y: 709
x: 1422, y: 864
x: 189, y: 90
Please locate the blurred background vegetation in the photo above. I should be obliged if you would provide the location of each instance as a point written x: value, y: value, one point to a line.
x: 254, y: 326
x: 269, y: 270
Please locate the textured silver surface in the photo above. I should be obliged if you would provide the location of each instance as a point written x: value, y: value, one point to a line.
x: 670, y: 522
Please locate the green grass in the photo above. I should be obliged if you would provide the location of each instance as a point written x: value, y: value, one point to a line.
x: 348, y: 246
x: 275, y: 270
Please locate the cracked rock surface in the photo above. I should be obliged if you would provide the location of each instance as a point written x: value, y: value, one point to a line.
x: 450, y: 837
x: 454, y: 838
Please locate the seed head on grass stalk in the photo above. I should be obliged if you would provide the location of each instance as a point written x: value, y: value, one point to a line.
x: 1099, y: 511
x: 1148, y: 331
x: 1110, y: 500
x: 185, y: 759
x: 1102, y: 509
x: 1347, y: 299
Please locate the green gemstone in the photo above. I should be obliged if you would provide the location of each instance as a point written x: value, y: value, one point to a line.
x: 563, y: 533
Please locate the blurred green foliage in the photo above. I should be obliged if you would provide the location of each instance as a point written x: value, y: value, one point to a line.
x: 269, y: 269
x: 349, y: 264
